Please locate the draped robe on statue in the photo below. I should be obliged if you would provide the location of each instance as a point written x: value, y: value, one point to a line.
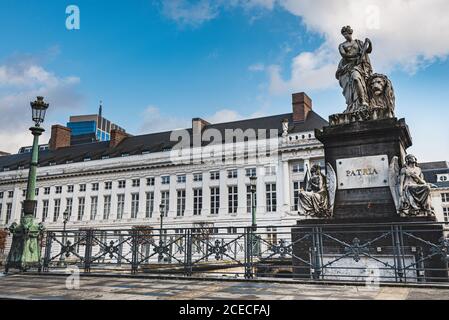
x: 416, y: 195
x: 353, y: 74
x: 315, y: 202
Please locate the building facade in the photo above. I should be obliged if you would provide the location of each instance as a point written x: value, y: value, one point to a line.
x: 120, y: 184
x: 437, y: 173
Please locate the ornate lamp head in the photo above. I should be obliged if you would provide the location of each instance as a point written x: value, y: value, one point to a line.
x: 66, y: 215
x: 253, y: 183
x: 39, y: 108
x: 162, y: 208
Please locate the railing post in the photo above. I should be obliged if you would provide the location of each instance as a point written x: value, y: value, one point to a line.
x: 421, y: 275
x: 316, y: 252
x: 249, y: 253
x: 135, y: 251
x: 188, y: 253
x: 397, y: 230
x: 47, y: 253
x: 88, y: 250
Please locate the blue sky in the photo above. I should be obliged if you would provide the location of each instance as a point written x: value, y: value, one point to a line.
x: 157, y: 64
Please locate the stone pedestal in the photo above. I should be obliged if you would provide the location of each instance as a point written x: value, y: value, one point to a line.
x: 389, y: 137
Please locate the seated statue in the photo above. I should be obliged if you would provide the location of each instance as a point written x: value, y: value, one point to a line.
x: 410, y: 191
x: 315, y: 200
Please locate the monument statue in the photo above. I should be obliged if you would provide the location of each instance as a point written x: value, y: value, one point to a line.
x: 368, y: 95
x: 318, y: 199
x: 354, y: 70
x: 411, y: 193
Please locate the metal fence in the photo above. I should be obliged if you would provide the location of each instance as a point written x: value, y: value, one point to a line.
x: 406, y: 253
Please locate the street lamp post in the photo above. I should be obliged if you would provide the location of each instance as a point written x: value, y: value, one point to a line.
x: 253, y: 188
x: 161, y: 242
x: 254, y: 240
x: 25, y: 248
x: 66, y: 217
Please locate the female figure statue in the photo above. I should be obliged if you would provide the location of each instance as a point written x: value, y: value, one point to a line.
x: 414, y: 192
x: 314, y: 201
x: 354, y: 70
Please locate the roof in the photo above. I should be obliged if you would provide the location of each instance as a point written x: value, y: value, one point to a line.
x: 83, y: 138
x: 434, y: 165
x: 432, y: 169
x: 154, y: 142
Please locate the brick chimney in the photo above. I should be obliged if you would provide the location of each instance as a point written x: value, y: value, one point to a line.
x: 117, y: 136
x: 60, y: 137
x: 302, y: 105
x: 198, y: 125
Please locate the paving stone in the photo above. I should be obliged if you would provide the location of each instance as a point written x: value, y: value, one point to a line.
x: 50, y: 287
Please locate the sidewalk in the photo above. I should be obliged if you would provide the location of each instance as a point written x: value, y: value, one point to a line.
x: 116, y: 288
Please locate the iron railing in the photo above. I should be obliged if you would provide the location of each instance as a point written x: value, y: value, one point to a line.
x: 398, y: 252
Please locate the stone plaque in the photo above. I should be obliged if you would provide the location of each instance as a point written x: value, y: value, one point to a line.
x: 362, y: 172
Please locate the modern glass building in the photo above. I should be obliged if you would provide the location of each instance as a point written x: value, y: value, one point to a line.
x: 92, y: 125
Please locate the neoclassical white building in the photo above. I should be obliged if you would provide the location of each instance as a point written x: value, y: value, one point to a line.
x: 437, y: 173
x: 119, y: 184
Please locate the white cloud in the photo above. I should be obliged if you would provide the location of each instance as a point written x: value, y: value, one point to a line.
x: 196, y: 12
x: 20, y: 83
x: 155, y: 121
x: 267, y: 4
x: 309, y: 71
x: 30, y: 75
x: 399, y: 38
x: 257, y: 67
x: 189, y: 12
x: 224, y: 115
x: 406, y: 34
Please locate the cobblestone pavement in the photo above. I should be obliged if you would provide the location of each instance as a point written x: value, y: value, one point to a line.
x: 116, y: 288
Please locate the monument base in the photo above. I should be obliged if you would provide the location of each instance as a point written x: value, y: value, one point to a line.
x: 383, y: 250
x: 360, y: 152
